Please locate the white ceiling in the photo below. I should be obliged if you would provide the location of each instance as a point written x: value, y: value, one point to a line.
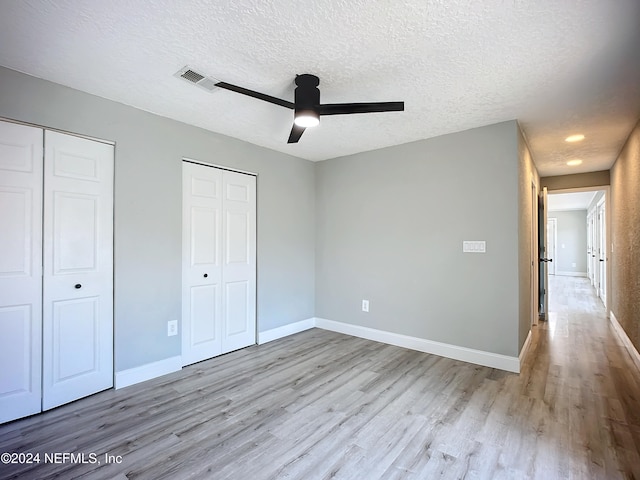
x: 558, y: 67
x: 569, y: 201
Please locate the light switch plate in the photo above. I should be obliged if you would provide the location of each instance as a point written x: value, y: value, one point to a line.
x: 474, y: 246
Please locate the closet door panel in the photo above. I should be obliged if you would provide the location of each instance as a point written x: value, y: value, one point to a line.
x: 20, y: 270
x: 201, y: 262
x: 78, y: 268
x: 239, y: 268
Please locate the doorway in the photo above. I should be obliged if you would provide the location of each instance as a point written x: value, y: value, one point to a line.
x: 580, y: 222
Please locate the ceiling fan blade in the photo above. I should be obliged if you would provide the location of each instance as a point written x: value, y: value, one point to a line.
x: 254, y: 94
x: 296, y: 133
x: 347, y: 108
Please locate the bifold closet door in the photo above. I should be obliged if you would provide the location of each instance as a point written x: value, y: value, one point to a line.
x: 239, y: 261
x: 56, y: 269
x: 219, y: 262
x: 78, y: 268
x: 20, y: 270
x: 202, y: 263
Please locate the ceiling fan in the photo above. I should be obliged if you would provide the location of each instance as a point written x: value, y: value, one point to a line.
x: 307, y: 107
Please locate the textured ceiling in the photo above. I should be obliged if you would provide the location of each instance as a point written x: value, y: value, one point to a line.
x: 569, y: 201
x: 559, y: 67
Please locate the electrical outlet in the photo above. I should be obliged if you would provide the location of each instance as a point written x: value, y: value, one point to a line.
x: 172, y: 328
x: 365, y: 305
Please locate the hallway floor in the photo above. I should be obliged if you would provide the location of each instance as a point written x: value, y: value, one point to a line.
x: 592, y: 390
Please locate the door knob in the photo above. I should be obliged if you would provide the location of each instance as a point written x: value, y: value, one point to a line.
x: 205, y: 275
x: 77, y: 285
x: 602, y: 259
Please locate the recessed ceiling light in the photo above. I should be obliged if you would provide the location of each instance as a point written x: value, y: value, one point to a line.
x: 573, y: 163
x: 574, y: 138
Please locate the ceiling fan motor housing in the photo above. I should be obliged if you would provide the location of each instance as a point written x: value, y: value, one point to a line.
x: 307, y: 95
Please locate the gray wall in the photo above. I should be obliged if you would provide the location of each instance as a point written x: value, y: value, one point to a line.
x: 571, y: 244
x: 576, y: 180
x: 390, y: 227
x: 148, y: 196
x: 624, y: 255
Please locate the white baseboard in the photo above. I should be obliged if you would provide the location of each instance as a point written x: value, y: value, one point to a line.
x: 285, y: 330
x: 633, y: 353
x: 148, y: 371
x: 572, y: 274
x: 525, y: 349
x: 478, y: 357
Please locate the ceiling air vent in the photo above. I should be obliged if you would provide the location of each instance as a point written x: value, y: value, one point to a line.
x: 196, y: 78
x: 192, y: 76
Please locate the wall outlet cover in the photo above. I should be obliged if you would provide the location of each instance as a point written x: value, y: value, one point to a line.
x: 172, y: 328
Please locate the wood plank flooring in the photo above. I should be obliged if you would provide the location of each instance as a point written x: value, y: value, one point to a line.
x: 321, y: 405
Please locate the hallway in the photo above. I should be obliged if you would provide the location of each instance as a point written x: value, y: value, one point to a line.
x: 591, y: 395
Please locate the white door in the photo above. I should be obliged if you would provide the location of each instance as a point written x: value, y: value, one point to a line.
x: 552, y: 228
x: 602, y: 254
x: 239, y: 267
x: 219, y: 262
x: 594, y: 249
x: 78, y: 269
x: 20, y: 270
x: 589, y: 247
x: 201, y: 263
x: 542, y: 250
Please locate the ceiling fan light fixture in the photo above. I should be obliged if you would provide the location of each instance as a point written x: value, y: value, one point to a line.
x: 306, y: 118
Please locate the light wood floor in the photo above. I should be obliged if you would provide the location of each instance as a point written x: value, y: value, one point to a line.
x: 323, y: 405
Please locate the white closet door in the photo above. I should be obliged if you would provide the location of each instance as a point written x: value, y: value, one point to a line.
x: 20, y: 270
x: 78, y: 269
x: 202, y: 262
x: 239, y: 267
x: 219, y: 262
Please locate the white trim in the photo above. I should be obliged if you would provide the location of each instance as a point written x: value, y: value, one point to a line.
x: 73, y: 134
x: 147, y: 372
x: 285, y: 330
x: 525, y: 349
x: 478, y: 357
x: 572, y: 274
x: 631, y: 349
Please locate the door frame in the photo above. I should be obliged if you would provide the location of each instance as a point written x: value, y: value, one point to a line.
x: 609, y: 246
x: 534, y: 270
x: 602, y: 232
